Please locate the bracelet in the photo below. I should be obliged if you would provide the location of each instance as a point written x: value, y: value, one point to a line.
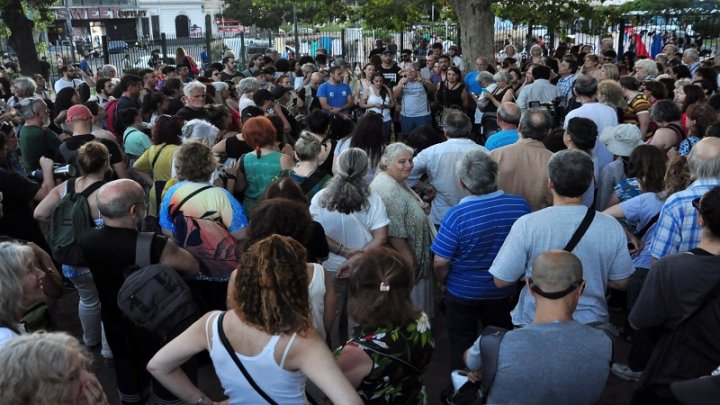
x: 200, y: 400
x: 230, y: 176
x: 340, y: 249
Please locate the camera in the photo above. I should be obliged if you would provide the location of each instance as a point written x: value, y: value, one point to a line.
x: 60, y: 171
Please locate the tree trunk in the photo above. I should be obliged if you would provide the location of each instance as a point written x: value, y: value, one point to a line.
x: 21, y: 37
x: 477, y: 28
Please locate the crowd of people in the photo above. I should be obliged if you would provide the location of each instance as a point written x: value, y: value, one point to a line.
x: 321, y: 217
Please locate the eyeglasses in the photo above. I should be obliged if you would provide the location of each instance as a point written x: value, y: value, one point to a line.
x: 216, y: 73
x: 696, y: 203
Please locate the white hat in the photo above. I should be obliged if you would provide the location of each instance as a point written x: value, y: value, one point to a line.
x: 621, y: 139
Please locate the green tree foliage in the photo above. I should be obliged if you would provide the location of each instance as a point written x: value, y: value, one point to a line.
x: 20, y: 19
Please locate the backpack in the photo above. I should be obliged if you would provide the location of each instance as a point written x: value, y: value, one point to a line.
x: 209, y: 241
x: 154, y: 296
x: 69, y: 220
x: 689, y: 351
x: 111, y: 120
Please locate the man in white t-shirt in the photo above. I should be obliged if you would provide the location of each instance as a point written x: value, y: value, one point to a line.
x: 602, y: 249
x: 70, y: 78
x: 585, y: 89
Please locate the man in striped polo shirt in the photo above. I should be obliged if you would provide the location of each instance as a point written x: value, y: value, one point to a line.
x: 470, y: 237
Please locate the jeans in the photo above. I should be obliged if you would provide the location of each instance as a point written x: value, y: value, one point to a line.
x: 462, y: 323
x: 344, y: 324
x: 89, y: 313
x: 407, y: 124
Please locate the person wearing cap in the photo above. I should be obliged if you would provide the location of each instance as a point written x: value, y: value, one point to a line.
x: 80, y: 120
x: 389, y: 69
x: 555, y: 359
x: 602, y: 247
x: 335, y: 96
x: 620, y: 140
x: 680, y: 297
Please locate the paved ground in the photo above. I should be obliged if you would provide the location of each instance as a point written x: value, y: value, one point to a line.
x: 436, y: 378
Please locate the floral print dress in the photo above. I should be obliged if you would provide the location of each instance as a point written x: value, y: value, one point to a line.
x: 400, y: 356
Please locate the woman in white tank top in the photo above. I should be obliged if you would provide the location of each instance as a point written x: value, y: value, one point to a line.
x: 378, y: 99
x: 268, y: 328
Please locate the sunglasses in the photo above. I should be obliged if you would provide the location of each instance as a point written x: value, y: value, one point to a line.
x: 696, y: 203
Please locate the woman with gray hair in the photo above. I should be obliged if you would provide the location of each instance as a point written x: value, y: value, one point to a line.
x: 645, y: 69
x: 410, y: 231
x: 503, y: 92
x: 245, y: 88
x: 354, y: 219
x: 48, y: 369
x: 21, y: 287
x: 307, y: 172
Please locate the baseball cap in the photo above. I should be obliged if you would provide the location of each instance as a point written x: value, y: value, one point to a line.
x: 621, y: 139
x: 278, y: 91
x: 261, y: 96
x: 78, y: 112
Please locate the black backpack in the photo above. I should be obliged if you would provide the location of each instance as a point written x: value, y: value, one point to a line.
x: 154, y: 296
x: 69, y: 220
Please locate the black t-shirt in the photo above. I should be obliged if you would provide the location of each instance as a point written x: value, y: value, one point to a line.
x: 234, y: 147
x: 17, y: 220
x: 391, y: 75
x: 226, y: 77
x: 174, y: 105
x: 674, y: 290
x: 188, y: 114
x: 127, y: 102
x: 74, y: 143
x: 108, y: 251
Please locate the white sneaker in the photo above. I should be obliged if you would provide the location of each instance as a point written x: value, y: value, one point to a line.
x: 623, y: 372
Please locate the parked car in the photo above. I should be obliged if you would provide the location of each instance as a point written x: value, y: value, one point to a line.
x: 117, y: 46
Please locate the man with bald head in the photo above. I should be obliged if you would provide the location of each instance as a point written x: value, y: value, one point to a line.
x: 677, y: 228
x: 108, y: 252
x: 572, y: 358
x: 308, y: 93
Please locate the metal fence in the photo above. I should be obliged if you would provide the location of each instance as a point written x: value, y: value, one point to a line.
x: 635, y: 32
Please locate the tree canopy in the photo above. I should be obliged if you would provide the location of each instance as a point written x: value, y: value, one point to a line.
x: 19, y: 17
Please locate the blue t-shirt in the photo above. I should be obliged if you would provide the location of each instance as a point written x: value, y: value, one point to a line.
x: 638, y: 212
x: 502, y: 138
x: 470, y: 236
x: 336, y: 94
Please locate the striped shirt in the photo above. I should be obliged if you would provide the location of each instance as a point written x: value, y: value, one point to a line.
x: 470, y: 237
x: 677, y: 229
